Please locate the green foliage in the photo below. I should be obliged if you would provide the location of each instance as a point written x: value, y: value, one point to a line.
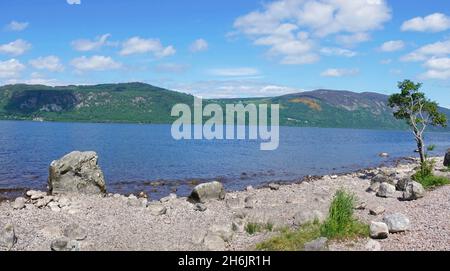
x: 424, y: 175
x: 289, y: 240
x: 143, y: 103
x: 412, y: 105
x: 340, y: 222
x: 253, y: 228
x: 431, y: 147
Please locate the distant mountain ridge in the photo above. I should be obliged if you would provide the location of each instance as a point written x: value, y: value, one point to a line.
x: 143, y: 103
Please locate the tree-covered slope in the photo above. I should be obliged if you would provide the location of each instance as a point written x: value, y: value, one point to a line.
x: 143, y: 103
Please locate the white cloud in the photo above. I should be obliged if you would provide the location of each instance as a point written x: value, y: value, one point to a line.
x: 36, y: 79
x: 438, y: 68
x: 199, y: 46
x: 392, y: 46
x: 386, y: 61
x: 95, y: 63
x: 89, y: 45
x: 334, y: 51
x: 437, y: 49
x: 74, y: 2
x: 291, y: 28
x: 51, y: 63
x: 352, y: 39
x: 171, y: 68
x: 233, y: 89
x: 234, y: 72
x: 339, y: 72
x: 436, y: 22
x: 137, y: 45
x: 15, y: 48
x: 17, y: 26
x: 11, y: 68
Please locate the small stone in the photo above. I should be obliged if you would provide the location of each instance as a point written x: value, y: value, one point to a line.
x: 361, y: 206
x: 157, y: 209
x: 8, y: 237
x: 54, y: 207
x: 142, y: 194
x: 19, y: 203
x: 249, y: 188
x: 396, y: 222
x: 63, y: 202
x: 117, y: 195
x: 377, y: 210
x: 249, y: 202
x: 132, y: 197
x: 34, y: 195
x: 274, y: 186
x: 386, y: 191
x: 75, y: 232
x: 384, y: 154
x: 200, y: 207
x: 172, y: 196
x: 320, y: 244
x: 238, y: 225
x: 373, y: 245
x: 378, y: 230
x: 334, y: 177
x: 73, y: 211
x: 213, y: 242
x: 64, y: 244
x: 42, y: 202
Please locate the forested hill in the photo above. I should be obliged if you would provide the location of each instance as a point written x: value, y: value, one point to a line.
x: 143, y: 103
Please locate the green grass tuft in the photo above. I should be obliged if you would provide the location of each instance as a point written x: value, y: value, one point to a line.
x: 290, y: 240
x: 253, y: 228
x: 432, y: 181
x: 340, y: 222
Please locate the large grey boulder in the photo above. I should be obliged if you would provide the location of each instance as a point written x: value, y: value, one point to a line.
x: 396, y: 222
x: 413, y: 191
x: 76, y: 172
x: 207, y: 191
x: 386, y: 191
x: 402, y: 183
x: 447, y: 159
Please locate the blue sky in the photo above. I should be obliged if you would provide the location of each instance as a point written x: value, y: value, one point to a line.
x: 229, y: 48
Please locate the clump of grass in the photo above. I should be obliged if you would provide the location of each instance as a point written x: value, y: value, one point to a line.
x: 252, y: 228
x: 340, y: 222
x: 424, y: 175
x: 290, y: 240
x: 431, y: 181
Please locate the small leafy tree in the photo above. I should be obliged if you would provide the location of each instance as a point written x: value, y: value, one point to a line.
x: 418, y: 111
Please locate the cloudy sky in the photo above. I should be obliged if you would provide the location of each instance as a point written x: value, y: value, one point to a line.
x: 229, y: 48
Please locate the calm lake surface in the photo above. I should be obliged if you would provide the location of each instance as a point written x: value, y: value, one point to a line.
x: 134, y: 156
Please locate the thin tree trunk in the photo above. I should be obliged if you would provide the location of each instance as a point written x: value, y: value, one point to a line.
x: 421, y: 147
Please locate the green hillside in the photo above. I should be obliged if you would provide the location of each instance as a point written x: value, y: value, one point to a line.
x: 143, y: 103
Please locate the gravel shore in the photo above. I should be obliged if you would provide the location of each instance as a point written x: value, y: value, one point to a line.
x: 117, y: 222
